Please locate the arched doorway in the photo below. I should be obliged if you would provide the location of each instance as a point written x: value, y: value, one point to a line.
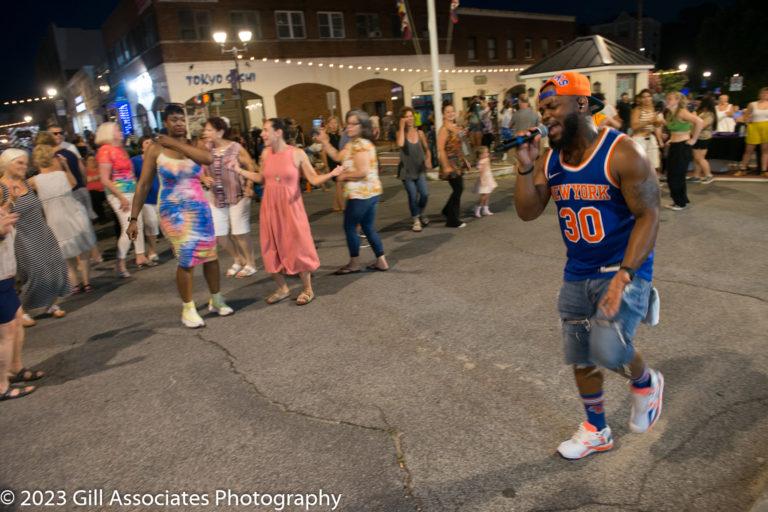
x: 222, y: 103
x: 307, y: 101
x: 378, y: 96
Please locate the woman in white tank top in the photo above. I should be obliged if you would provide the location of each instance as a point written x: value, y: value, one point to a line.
x: 756, y: 117
x: 724, y: 111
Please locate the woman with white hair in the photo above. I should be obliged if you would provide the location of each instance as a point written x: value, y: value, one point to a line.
x: 119, y: 184
x: 11, y: 331
x: 41, y: 267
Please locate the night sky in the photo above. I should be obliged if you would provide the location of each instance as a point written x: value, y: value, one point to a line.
x: 29, y: 20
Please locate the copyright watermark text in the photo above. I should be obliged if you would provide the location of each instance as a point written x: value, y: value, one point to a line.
x: 317, y: 500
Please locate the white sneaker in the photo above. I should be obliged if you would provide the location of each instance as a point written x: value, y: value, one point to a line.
x: 416, y: 225
x: 221, y: 308
x: 675, y: 207
x: 478, y: 209
x: 487, y: 211
x: 646, y: 404
x: 191, y: 318
x: 586, y: 440
x: 462, y: 225
x: 424, y: 220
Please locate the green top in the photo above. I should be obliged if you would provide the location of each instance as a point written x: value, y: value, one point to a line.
x: 677, y: 125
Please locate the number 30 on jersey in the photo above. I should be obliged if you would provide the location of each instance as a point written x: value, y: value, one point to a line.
x: 585, y: 225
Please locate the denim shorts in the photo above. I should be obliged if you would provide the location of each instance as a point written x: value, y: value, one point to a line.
x: 591, y: 339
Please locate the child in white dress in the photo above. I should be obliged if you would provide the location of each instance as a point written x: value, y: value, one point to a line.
x: 485, y: 182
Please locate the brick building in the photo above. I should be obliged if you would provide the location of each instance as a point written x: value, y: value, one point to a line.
x: 305, y: 63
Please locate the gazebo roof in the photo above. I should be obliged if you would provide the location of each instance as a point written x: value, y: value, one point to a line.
x: 588, y: 52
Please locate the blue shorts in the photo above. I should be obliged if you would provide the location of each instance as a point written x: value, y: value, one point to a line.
x: 9, y: 300
x: 589, y: 338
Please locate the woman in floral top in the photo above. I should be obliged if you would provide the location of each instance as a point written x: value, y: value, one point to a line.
x: 362, y: 189
x: 119, y: 182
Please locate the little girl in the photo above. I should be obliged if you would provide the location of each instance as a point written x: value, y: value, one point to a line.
x: 485, y: 182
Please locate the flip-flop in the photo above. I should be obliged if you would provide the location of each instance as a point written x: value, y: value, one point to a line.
x: 277, y: 297
x: 309, y: 298
x: 346, y: 270
x: 9, y: 393
x: 20, y: 376
x: 377, y: 269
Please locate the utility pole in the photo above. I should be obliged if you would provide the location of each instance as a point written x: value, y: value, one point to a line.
x: 435, y: 62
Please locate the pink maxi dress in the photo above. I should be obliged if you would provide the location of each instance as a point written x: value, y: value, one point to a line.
x: 286, y: 240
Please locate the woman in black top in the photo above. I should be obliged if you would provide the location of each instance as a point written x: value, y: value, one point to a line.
x: 333, y: 130
x: 415, y: 159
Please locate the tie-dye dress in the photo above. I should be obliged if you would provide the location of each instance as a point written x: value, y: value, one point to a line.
x: 185, y: 215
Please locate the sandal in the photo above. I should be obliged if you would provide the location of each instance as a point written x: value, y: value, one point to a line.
x: 122, y: 274
x: 305, y: 298
x: 56, y: 312
x: 246, y: 271
x: 28, y: 321
x: 86, y: 288
x: 26, y: 375
x: 346, y: 270
x: 277, y: 297
x: 12, y: 393
x: 234, y: 269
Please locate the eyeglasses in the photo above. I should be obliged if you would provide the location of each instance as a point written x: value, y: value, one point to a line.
x: 57, y: 133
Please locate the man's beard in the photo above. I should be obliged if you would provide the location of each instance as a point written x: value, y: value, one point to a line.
x: 569, y: 132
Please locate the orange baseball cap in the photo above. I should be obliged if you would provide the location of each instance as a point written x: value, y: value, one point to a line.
x: 571, y: 83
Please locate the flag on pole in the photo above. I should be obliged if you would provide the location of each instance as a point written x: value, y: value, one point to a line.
x: 454, y: 13
x: 405, y: 27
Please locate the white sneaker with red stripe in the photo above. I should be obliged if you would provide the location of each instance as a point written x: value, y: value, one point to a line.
x: 646, y: 404
x: 586, y: 440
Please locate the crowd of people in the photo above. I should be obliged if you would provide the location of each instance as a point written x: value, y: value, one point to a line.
x: 198, y: 194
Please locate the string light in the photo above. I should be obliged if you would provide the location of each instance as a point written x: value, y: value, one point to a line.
x: 11, y: 125
x: 365, y: 67
x: 27, y: 100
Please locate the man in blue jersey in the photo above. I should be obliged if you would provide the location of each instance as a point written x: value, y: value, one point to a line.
x: 607, y: 198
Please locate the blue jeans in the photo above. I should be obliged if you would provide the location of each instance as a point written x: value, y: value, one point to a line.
x: 417, y: 194
x: 591, y: 339
x: 363, y: 212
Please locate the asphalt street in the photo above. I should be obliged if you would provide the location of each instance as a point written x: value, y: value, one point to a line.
x: 437, y: 386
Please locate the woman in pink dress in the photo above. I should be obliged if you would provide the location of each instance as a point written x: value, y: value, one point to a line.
x: 286, y: 240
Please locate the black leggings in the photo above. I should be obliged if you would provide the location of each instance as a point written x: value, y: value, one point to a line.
x: 452, y: 209
x: 678, y: 160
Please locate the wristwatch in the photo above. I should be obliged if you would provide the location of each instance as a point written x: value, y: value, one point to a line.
x: 629, y: 271
x: 133, y: 219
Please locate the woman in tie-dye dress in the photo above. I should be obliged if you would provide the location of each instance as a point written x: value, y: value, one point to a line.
x: 185, y: 216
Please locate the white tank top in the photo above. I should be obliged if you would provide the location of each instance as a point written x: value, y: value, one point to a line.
x: 759, y: 115
x: 725, y: 124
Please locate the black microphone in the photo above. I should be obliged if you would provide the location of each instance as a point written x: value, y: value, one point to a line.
x: 518, y: 140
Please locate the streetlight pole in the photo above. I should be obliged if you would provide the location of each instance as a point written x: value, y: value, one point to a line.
x: 245, y: 37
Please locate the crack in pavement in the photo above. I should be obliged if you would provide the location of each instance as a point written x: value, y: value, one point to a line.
x: 691, y: 435
x: 712, y: 289
x: 392, y: 432
x: 619, y: 506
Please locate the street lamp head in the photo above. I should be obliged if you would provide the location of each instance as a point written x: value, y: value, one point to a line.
x: 245, y: 35
x: 683, y: 67
x: 220, y: 37
x: 642, y: 49
x: 706, y: 74
x: 51, y: 91
x: 27, y: 118
x: 104, y: 88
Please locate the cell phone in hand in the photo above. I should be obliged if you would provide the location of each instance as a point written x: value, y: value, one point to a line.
x: 316, y: 125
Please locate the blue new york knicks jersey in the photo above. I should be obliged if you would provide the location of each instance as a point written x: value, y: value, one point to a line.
x: 594, y: 218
